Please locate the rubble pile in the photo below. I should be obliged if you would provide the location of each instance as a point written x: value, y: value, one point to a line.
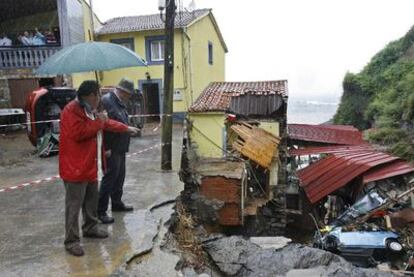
x: 376, y: 229
x: 236, y: 256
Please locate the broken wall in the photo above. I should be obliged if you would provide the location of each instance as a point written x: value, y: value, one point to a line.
x: 207, y: 133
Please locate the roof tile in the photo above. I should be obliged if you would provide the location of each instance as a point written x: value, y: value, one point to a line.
x: 217, y: 96
x: 147, y: 22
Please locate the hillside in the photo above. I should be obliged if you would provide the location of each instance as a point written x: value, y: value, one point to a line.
x: 381, y: 98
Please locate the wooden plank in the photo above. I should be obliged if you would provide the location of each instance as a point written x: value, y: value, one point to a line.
x: 255, y: 143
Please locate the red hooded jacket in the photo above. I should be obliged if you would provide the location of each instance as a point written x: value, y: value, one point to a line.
x: 78, y: 143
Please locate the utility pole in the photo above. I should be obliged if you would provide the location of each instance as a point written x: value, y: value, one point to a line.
x: 166, y: 119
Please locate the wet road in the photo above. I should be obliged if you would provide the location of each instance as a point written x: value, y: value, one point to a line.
x: 32, y: 218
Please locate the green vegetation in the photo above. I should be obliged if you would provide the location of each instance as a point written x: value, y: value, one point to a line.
x: 381, y: 96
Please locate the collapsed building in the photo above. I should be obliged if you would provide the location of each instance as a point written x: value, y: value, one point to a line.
x: 359, y: 198
x: 246, y: 171
x: 234, y: 158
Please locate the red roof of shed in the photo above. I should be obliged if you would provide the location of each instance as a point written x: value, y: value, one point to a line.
x: 387, y: 171
x: 330, y: 174
x: 332, y: 134
x: 328, y: 149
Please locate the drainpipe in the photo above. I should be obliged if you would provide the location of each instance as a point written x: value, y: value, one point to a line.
x: 190, y: 64
x: 92, y: 31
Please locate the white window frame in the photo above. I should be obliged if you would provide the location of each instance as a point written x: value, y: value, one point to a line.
x: 160, y: 45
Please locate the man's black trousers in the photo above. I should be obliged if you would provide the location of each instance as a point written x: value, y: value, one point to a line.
x: 112, y: 182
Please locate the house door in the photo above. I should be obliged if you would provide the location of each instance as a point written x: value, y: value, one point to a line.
x: 19, y: 89
x: 152, y: 97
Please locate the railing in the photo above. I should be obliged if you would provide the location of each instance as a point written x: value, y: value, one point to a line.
x: 27, y: 57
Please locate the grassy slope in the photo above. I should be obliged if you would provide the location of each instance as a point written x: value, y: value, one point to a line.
x: 381, y: 96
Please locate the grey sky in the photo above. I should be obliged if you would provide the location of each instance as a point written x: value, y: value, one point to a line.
x: 312, y: 43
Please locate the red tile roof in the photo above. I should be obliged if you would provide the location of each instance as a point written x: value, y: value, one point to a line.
x: 332, y: 134
x: 217, y: 96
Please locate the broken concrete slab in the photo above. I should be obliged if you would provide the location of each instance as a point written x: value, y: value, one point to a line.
x: 236, y: 256
x: 152, y: 260
x: 270, y: 242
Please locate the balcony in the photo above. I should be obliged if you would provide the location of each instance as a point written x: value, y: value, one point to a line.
x: 25, y: 57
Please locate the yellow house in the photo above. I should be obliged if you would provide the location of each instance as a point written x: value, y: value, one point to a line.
x: 199, y: 55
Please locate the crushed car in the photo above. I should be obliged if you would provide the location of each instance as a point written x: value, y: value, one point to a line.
x: 363, y: 248
x: 372, y: 231
x: 43, y: 108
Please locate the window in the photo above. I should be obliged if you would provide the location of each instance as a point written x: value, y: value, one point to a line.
x: 210, y: 52
x: 154, y: 50
x: 126, y: 42
x: 157, y: 50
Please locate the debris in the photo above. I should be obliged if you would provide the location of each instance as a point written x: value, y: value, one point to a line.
x: 236, y: 256
x: 363, y: 248
x: 374, y: 230
x: 270, y: 242
x: 255, y: 143
x: 48, y: 144
x: 388, y: 203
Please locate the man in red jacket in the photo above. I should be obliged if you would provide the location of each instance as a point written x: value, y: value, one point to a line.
x: 80, y: 149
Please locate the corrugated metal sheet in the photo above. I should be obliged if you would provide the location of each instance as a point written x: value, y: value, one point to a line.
x: 334, y: 172
x: 244, y: 98
x: 387, y: 171
x: 327, y: 150
x: 332, y: 134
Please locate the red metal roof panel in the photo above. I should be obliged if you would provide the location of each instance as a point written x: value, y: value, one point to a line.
x: 332, y: 134
x: 387, y: 171
x: 328, y: 150
x: 330, y: 174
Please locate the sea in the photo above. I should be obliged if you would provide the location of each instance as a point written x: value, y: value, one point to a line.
x: 311, y: 111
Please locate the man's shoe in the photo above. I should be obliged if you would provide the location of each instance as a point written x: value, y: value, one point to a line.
x: 76, y: 251
x: 106, y: 219
x: 98, y: 234
x: 122, y: 208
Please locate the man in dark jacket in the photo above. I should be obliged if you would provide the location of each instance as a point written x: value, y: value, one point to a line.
x: 79, y: 159
x: 116, y: 145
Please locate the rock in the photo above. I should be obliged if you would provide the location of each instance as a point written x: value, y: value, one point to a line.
x: 189, y: 272
x: 270, y: 242
x: 311, y: 272
x: 236, y: 256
